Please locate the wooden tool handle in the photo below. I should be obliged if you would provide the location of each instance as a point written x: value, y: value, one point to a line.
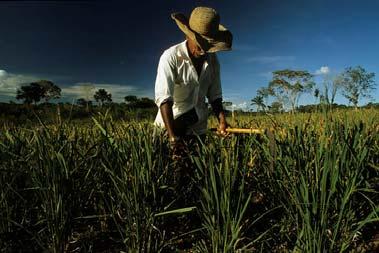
x: 242, y: 130
x: 245, y: 130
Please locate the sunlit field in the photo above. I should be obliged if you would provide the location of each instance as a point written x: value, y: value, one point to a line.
x: 309, y: 184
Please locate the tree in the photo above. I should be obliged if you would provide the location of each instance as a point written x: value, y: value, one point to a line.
x: 83, y: 102
x: 265, y: 92
x: 372, y: 105
x: 51, y: 91
x: 131, y: 100
x: 276, y: 107
x: 336, y: 84
x: 30, y: 93
x: 316, y: 93
x: 356, y: 83
x: 87, y: 91
x: 331, y: 85
x: 287, y: 86
x: 145, y: 102
x: 102, y: 96
x: 258, y: 101
x: 35, y: 91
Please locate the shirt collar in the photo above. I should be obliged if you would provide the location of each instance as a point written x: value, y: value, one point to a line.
x: 183, y: 52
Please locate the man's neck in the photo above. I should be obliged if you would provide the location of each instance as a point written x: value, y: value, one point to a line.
x: 197, y: 62
x: 194, y: 59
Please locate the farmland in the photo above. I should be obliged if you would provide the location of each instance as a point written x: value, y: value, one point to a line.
x: 107, y: 186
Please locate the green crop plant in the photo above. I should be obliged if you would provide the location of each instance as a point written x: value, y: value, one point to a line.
x: 107, y: 184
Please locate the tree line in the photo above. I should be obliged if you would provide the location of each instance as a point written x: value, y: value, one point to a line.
x: 46, y: 90
x: 287, y: 86
x: 281, y: 94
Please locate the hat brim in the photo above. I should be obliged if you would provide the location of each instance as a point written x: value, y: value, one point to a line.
x: 221, y: 41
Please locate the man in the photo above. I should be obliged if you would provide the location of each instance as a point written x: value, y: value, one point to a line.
x: 188, y: 72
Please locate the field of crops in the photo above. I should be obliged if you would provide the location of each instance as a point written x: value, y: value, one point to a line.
x: 111, y: 186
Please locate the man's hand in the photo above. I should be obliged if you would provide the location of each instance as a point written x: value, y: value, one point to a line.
x: 222, y: 128
x: 220, y: 114
x: 178, y: 148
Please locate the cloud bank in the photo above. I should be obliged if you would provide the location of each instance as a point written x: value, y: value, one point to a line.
x: 118, y: 91
x: 9, y: 83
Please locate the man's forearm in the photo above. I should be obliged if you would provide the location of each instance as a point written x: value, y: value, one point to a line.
x: 218, y: 109
x: 168, y: 118
x: 221, y: 117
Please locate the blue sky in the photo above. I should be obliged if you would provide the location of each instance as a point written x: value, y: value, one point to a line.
x: 116, y: 45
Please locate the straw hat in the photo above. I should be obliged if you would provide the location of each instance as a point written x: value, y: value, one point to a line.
x: 204, y: 27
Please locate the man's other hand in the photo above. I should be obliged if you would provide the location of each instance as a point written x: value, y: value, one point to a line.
x: 178, y: 148
x: 222, y: 128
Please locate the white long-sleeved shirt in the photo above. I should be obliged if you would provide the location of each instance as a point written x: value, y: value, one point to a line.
x: 178, y: 81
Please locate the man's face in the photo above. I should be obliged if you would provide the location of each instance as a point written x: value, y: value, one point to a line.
x: 194, y: 49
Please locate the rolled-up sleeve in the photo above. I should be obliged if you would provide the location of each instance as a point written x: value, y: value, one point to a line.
x: 164, y: 83
x: 214, y: 90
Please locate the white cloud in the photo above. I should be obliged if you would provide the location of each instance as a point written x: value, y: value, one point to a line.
x: 324, y: 70
x: 241, y: 106
x: 9, y: 83
x: 3, y: 74
x: 270, y: 59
